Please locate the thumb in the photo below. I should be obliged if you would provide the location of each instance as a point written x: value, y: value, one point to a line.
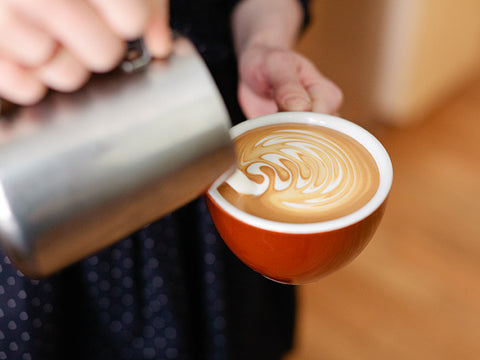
x: 158, y: 35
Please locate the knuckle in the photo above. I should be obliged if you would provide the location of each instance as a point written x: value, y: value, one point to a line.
x: 33, y: 96
x: 25, y: 96
x: 136, y: 24
x: 107, y: 60
x: 63, y: 73
x: 40, y: 52
x: 75, y: 82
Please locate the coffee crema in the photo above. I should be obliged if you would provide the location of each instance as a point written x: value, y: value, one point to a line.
x: 300, y: 173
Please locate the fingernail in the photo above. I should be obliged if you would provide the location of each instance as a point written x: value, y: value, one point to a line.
x: 298, y: 104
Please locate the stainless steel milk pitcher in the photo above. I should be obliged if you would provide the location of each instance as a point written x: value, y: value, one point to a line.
x: 80, y: 171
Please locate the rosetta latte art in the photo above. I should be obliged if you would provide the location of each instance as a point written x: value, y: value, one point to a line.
x: 300, y: 173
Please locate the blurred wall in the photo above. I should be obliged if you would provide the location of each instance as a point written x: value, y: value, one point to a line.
x: 394, y: 59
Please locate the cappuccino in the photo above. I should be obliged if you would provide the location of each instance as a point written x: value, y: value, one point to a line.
x: 300, y: 173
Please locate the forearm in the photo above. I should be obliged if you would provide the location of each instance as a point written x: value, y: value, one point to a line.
x: 273, y: 23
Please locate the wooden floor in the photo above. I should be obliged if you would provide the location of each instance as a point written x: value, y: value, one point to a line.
x: 414, y: 293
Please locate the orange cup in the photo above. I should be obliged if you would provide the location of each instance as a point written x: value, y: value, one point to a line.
x: 301, y: 253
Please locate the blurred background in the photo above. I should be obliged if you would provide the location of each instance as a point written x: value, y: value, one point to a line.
x: 410, y: 72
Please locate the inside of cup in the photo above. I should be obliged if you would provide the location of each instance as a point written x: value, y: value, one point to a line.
x: 369, y: 142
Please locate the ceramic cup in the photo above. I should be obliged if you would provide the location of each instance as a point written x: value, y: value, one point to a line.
x: 294, y: 253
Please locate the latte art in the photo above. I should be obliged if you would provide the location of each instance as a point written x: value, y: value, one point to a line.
x: 300, y: 173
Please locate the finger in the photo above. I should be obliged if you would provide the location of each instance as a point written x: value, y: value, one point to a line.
x: 254, y: 105
x: 22, y: 41
x: 78, y: 27
x: 288, y: 91
x: 63, y: 72
x: 325, y: 95
x: 18, y: 85
x: 128, y: 18
x: 158, y: 36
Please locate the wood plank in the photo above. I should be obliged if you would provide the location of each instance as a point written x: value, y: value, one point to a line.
x: 414, y: 293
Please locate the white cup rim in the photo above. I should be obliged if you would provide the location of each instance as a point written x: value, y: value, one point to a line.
x: 358, y: 133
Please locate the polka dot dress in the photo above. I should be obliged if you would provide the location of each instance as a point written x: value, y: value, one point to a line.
x: 170, y: 291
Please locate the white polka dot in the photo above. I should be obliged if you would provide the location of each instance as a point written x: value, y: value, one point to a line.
x: 2, y: 335
x: 153, y: 263
x: 127, y: 243
x: 20, y: 274
x: 170, y: 333
x: 11, y: 303
x: 127, y: 282
x: 3, y: 356
x: 13, y: 346
x: 92, y: 276
x: 158, y: 322
x: 127, y: 317
x: 6, y: 260
x: 2, y: 290
x: 1, y: 268
x: 127, y: 299
x: 210, y: 239
x: 26, y: 356
x: 157, y: 281
x: 160, y: 342
x: 34, y: 282
x: 48, y: 308
x: 209, y: 277
x: 25, y: 336
x: 93, y: 260
x: 155, y: 306
x: 11, y: 280
x: 1, y: 313
x: 163, y: 299
x: 12, y: 325
x: 149, y: 243
x: 23, y: 316
x: 149, y: 353
x: 115, y: 326
x: 209, y: 258
x: 22, y: 294
x: 219, y: 323
x: 127, y: 263
x: 104, y: 302
x: 36, y: 323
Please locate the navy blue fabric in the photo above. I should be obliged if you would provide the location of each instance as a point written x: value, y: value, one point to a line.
x: 169, y: 291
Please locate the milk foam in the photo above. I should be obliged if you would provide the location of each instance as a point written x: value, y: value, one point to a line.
x: 300, y: 173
